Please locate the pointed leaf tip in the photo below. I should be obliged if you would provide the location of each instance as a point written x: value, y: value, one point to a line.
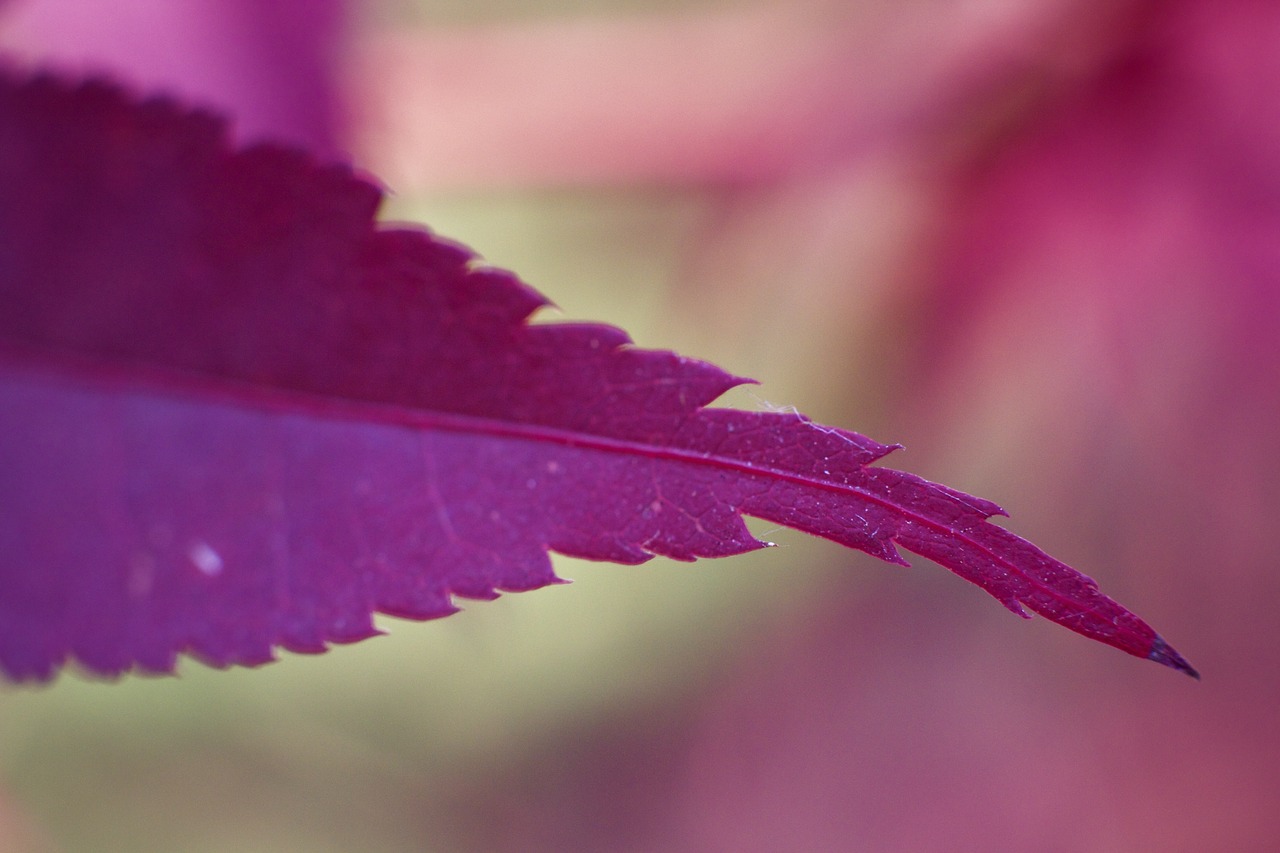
x: 1163, y: 653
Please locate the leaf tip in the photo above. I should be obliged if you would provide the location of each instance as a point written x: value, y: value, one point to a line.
x: 1163, y: 653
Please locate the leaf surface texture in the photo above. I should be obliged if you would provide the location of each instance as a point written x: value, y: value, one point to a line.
x: 237, y: 414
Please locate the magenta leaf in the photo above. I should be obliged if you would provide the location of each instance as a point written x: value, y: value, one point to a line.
x: 237, y: 415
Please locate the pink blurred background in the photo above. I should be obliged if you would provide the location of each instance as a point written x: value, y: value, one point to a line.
x: 1038, y: 243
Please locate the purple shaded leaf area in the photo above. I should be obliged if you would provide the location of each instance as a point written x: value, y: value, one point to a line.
x: 236, y: 415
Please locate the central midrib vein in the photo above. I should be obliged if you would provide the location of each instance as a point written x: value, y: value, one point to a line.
x: 82, y: 370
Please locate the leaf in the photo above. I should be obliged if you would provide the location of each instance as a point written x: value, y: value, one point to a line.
x: 236, y: 415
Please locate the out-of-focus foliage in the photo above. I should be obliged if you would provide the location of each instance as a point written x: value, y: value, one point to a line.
x: 1101, y: 297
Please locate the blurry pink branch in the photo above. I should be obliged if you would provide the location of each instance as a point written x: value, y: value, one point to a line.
x: 268, y: 62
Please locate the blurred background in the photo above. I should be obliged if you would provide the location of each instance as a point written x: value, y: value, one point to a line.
x: 1037, y: 242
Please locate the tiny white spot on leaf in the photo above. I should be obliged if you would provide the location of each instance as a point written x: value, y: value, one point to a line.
x: 207, y: 560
